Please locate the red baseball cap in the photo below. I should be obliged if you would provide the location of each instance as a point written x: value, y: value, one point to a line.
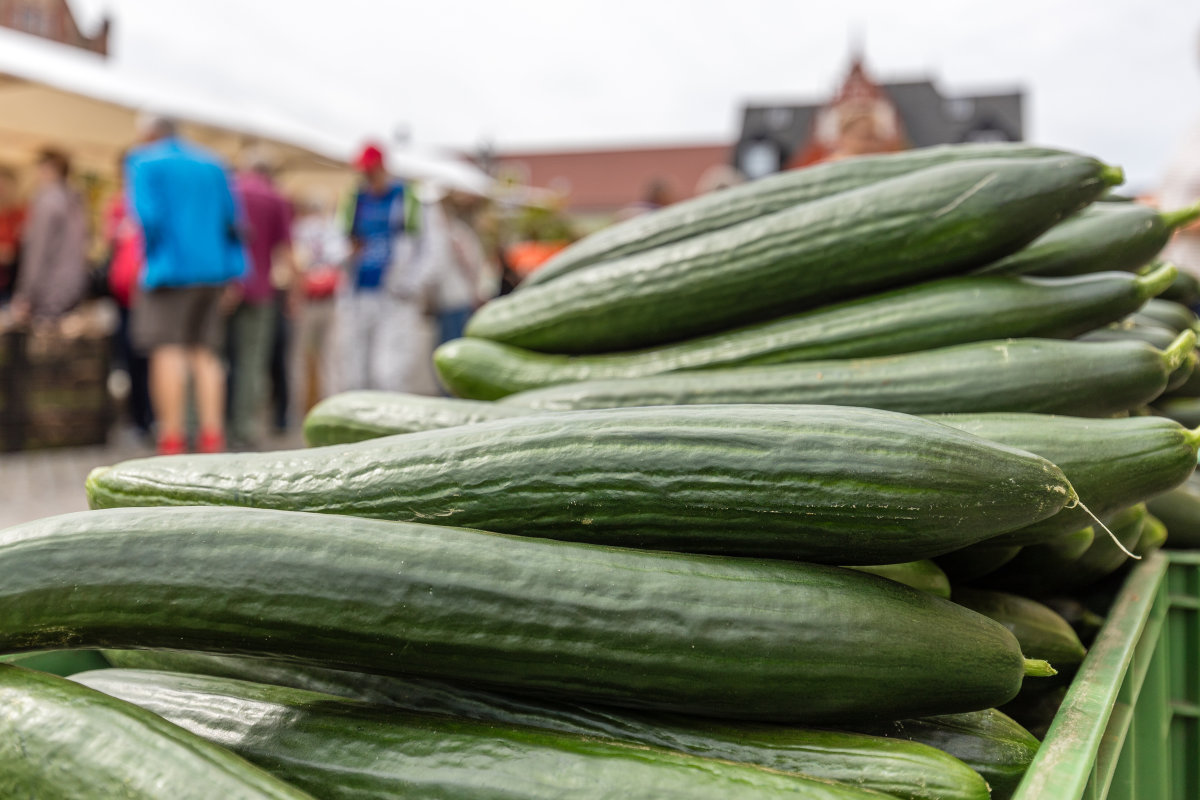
x: 371, y: 157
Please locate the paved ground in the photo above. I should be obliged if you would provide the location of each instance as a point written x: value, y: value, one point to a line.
x: 41, y: 483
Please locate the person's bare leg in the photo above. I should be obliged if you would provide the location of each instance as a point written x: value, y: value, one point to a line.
x: 168, y: 382
x: 208, y: 374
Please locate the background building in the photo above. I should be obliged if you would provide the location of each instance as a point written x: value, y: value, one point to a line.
x: 53, y: 20
x: 902, y: 114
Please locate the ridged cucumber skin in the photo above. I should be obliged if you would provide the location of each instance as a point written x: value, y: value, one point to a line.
x: 736, y: 638
x: 62, y: 741
x: 1040, y: 570
x: 819, y: 483
x: 358, y: 416
x: 990, y: 742
x: 1179, y: 510
x: 1040, y: 630
x: 1050, y: 376
x: 736, y: 204
x: 1112, y: 463
x: 922, y: 317
x: 1103, y: 236
x: 923, y: 575
x: 941, y: 221
x: 915, y: 772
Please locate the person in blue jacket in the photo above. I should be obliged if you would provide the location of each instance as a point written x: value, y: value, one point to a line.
x: 181, y: 196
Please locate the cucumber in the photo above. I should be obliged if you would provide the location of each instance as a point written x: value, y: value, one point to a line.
x: 1184, y: 289
x: 969, y: 563
x: 907, y: 770
x: 773, y: 193
x: 819, y: 483
x: 921, y: 317
x: 990, y: 742
x: 1184, y: 410
x: 1112, y: 463
x: 1154, y: 536
x: 924, y: 575
x: 940, y: 221
x: 1040, y: 630
x: 1132, y: 331
x: 1103, y: 236
x: 1050, y: 376
x: 358, y: 416
x: 63, y: 741
x: 1053, y: 567
x: 1179, y: 511
x: 1189, y: 388
x: 736, y: 638
x: 1170, y: 314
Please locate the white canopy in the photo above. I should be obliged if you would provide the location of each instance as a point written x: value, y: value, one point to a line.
x: 51, y: 94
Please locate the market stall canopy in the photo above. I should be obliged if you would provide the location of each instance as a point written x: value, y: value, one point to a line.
x: 55, y: 95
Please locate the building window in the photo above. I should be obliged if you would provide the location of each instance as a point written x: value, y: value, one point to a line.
x: 779, y: 119
x: 760, y: 157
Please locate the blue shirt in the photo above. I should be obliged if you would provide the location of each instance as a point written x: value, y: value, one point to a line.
x: 378, y: 219
x: 181, y: 196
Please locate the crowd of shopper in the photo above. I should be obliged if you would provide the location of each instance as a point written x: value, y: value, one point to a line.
x: 240, y: 307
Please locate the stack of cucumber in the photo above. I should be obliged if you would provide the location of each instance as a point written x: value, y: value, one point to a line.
x: 748, y: 519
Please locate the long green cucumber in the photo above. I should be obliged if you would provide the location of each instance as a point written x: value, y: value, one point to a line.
x: 1175, y: 316
x: 1039, y: 629
x: 990, y: 742
x: 940, y: 221
x: 63, y: 741
x: 1154, y: 536
x: 773, y: 193
x: 908, y: 770
x: 1131, y: 331
x: 738, y: 638
x: 977, y: 560
x: 1050, y: 376
x: 344, y: 750
x: 938, y: 313
x: 1184, y: 289
x: 1044, y: 569
x: 1184, y: 410
x: 358, y: 416
x: 1103, y: 236
x: 1112, y: 463
x: 820, y: 483
x: 924, y: 575
x: 1179, y: 510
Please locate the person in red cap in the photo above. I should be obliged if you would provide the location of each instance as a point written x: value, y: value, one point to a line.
x: 381, y: 325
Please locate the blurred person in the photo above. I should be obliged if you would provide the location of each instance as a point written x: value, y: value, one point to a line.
x: 465, y: 277
x: 12, y: 220
x: 52, y: 276
x: 1181, y: 187
x: 382, y: 332
x: 183, y: 201
x: 126, y: 258
x: 267, y: 217
x: 320, y: 249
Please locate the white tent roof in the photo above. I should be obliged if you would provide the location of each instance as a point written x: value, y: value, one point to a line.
x: 52, y: 94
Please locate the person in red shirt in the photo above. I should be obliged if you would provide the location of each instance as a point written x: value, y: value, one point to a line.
x: 267, y: 217
x: 12, y: 220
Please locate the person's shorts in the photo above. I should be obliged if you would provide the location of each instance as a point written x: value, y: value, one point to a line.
x: 178, y: 315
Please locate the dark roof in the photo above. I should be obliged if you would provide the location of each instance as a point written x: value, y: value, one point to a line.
x: 929, y: 117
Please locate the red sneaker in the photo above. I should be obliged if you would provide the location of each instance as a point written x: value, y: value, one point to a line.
x: 171, y: 445
x: 211, y: 442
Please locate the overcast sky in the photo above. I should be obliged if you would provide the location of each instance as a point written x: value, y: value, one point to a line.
x: 1116, y: 78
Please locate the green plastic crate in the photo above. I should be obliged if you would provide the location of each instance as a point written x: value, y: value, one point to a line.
x: 1129, y: 728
